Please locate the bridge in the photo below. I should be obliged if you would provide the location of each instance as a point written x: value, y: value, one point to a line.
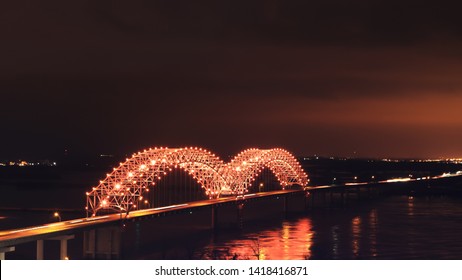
x: 131, y: 191
x: 139, y: 188
x: 123, y: 189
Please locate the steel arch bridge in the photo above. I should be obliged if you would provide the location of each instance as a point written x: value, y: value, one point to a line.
x: 124, y: 187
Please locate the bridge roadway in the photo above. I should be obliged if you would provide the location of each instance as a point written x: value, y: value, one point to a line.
x: 18, y: 236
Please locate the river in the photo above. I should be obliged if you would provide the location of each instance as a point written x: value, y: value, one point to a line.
x: 396, y: 227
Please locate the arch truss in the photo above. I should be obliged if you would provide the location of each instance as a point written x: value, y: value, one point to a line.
x: 125, y: 185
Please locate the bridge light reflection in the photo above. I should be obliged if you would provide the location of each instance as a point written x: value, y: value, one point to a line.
x: 356, y: 232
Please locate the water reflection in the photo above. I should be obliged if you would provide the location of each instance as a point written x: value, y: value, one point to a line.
x: 410, y: 206
x: 356, y: 234
x: 335, y: 241
x: 304, y: 226
x: 292, y: 241
x: 285, y: 237
x: 373, y: 221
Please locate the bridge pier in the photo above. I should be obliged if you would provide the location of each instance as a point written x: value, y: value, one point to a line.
x: 347, y: 196
x: 240, y: 216
x: 102, y: 242
x: 63, y: 246
x: 40, y: 249
x: 214, y: 216
x: 305, y: 200
x: 5, y: 250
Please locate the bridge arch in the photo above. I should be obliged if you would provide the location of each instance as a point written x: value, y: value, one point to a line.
x: 123, y: 188
x: 125, y: 185
x: 244, y: 167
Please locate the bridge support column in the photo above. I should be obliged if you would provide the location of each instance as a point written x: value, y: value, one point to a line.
x: 214, y: 216
x: 305, y: 200
x: 63, y: 246
x: 347, y: 196
x: 240, y: 217
x: 5, y: 250
x: 286, y: 204
x: 63, y: 250
x: 39, y: 249
x: 102, y: 242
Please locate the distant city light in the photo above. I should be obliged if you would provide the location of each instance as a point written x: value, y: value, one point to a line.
x: 23, y: 163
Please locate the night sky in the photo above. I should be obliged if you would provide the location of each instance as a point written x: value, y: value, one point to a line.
x: 361, y: 78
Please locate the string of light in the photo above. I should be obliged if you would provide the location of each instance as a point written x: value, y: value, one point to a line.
x: 123, y: 188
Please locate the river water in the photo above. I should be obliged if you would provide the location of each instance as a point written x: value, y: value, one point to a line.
x: 397, y: 227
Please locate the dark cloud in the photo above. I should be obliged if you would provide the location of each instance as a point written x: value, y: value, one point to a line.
x: 118, y: 76
x: 337, y: 21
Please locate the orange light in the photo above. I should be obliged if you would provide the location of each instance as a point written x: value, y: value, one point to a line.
x: 236, y: 175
